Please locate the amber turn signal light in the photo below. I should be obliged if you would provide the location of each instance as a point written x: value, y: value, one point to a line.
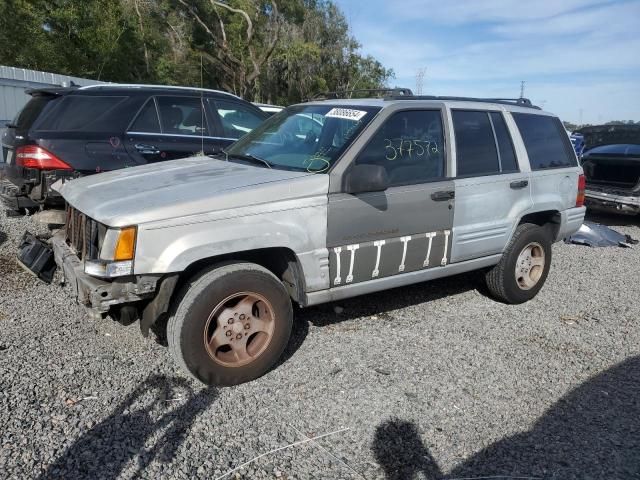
x: 125, y: 247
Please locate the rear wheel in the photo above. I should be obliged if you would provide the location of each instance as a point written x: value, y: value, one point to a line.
x: 524, y: 266
x: 231, y: 324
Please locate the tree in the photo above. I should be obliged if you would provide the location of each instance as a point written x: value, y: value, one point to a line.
x: 278, y: 51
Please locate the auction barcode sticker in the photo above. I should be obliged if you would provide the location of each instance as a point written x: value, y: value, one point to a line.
x: 346, y: 113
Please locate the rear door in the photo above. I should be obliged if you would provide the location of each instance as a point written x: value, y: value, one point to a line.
x: 407, y: 227
x: 171, y: 127
x: 493, y: 189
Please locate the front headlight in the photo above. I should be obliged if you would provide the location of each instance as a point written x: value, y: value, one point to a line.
x: 116, y: 254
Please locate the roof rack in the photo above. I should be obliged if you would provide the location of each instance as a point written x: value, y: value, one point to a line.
x: 399, y: 92
x: 519, y: 102
x: 140, y: 85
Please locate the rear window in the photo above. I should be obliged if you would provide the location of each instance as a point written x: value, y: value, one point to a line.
x: 86, y: 114
x: 25, y: 118
x: 546, y: 141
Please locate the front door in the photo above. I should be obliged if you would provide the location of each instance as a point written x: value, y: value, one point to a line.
x: 407, y: 227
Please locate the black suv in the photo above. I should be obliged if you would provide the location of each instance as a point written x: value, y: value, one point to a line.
x: 70, y: 132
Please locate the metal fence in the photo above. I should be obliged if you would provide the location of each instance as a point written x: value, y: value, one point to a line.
x: 15, y: 81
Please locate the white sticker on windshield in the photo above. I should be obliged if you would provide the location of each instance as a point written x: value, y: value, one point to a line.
x: 346, y: 113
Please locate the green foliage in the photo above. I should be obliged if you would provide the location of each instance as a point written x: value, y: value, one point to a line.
x: 276, y: 51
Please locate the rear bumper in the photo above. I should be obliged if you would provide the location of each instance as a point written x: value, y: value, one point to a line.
x: 570, y: 222
x: 34, y: 189
x: 97, y: 294
x: 12, y: 198
x: 611, y: 202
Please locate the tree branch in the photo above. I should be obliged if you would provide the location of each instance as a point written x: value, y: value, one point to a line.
x: 241, y: 12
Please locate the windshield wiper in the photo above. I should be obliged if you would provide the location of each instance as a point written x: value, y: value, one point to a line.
x: 248, y: 157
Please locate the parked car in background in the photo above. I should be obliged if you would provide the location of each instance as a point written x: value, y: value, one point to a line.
x: 611, y: 163
x: 577, y: 140
x: 269, y: 109
x: 65, y: 133
x: 377, y: 194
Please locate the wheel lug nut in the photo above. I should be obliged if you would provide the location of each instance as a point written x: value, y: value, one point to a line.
x: 247, y: 326
x: 242, y: 316
x: 229, y: 333
x: 239, y: 336
x: 230, y: 321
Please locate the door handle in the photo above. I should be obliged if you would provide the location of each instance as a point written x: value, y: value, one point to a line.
x: 145, y: 149
x: 443, y: 195
x: 519, y: 184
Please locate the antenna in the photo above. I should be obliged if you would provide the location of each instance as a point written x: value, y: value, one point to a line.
x: 522, y: 88
x: 420, y: 80
x: 202, y: 120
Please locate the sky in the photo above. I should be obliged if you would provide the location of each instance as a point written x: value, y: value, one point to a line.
x: 579, y: 58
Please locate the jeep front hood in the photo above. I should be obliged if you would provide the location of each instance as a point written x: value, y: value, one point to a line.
x: 179, y: 188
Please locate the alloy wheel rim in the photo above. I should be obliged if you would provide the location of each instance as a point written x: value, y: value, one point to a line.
x: 239, y: 329
x: 530, y: 266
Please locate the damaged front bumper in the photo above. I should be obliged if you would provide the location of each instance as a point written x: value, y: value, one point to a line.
x: 97, y: 294
x: 612, y: 201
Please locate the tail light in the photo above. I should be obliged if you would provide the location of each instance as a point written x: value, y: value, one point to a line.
x: 582, y: 184
x: 32, y: 156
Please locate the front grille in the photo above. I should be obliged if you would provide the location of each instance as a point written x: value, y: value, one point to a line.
x: 82, y: 234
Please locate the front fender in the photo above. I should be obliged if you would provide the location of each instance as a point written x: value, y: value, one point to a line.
x: 299, y: 225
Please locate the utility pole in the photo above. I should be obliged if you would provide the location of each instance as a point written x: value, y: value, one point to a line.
x: 420, y: 79
x: 522, y: 89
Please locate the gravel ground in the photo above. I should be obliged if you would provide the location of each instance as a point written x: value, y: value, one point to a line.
x: 431, y: 381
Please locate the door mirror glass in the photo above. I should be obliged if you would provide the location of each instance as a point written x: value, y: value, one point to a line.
x: 367, y: 178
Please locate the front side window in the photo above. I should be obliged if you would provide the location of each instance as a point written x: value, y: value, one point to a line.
x: 236, y: 119
x: 476, y: 152
x: 304, y: 137
x: 546, y: 141
x: 410, y: 146
x: 182, y: 116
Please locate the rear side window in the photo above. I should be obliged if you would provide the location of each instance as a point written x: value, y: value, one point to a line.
x: 29, y: 113
x: 508, y: 161
x: 147, y: 120
x: 86, y: 114
x: 546, y: 141
x: 476, y: 152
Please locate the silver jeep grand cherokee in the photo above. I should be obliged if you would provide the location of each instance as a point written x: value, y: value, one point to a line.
x: 325, y: 201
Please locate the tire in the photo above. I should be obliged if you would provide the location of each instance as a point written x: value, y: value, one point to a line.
x: 513, y: 286
x: 240, y: 302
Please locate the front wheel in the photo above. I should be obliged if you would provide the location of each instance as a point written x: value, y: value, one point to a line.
x: 231, y: 324
x: 524, y: 265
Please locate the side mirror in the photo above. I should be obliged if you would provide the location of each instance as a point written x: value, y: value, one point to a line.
x: 366, y: 178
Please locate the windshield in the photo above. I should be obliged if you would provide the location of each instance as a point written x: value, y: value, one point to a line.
x: 305, y: 137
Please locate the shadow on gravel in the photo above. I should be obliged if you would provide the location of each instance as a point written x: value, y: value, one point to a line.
x: 3, y: 237
x: 150, y: 423
x: 591, y: 433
